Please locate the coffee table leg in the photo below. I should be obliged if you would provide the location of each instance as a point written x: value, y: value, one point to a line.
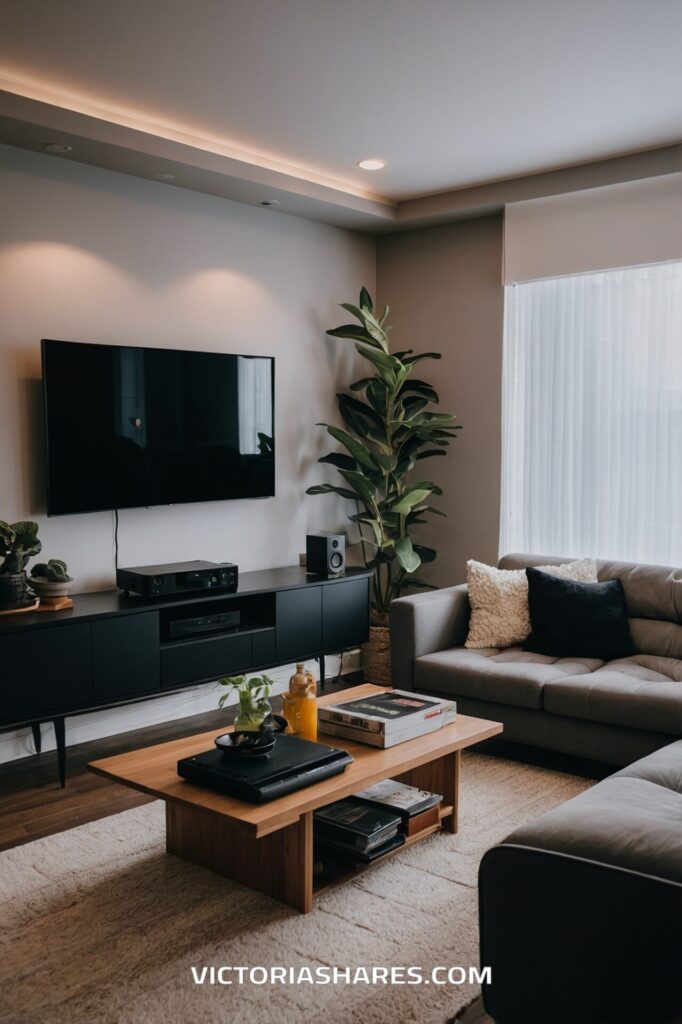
x: 439, y: 776
x: 279, y: 864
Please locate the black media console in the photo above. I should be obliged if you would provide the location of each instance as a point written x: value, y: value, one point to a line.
x: 110, y: 649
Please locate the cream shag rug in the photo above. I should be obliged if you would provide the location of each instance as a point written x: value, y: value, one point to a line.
x: 100, y: 925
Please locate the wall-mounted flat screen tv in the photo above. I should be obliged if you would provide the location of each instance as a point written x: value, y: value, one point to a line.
x: 128, y: 427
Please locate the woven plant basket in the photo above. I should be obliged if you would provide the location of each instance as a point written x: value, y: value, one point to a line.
x: 376, y: 657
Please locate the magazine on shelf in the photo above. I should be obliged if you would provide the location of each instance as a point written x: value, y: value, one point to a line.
x: 356, y: 824
x: 407, y: 801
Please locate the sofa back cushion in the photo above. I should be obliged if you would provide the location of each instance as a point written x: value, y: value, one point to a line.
x: 653, y: 595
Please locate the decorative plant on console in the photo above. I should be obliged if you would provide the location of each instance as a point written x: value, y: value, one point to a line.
x: 390, y: 430
x: 18, y: 543
x: 51, y: 579
x: 254, y: 705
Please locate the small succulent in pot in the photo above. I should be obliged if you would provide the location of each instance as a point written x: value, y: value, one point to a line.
x: 51, y: 579
x: 254, y: 705
x: 18, y: 543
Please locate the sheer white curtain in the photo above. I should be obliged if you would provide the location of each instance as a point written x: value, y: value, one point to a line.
x: 592, y: 416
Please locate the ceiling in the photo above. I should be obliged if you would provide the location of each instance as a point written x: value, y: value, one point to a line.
x: 451, y: 93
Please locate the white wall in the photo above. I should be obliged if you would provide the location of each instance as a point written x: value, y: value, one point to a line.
x: 90, y: 255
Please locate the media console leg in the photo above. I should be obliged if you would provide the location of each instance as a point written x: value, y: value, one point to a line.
x: 37, y: 737
x: 60, y: 736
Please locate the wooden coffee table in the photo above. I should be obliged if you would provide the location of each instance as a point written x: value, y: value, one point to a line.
x: 269, y: 846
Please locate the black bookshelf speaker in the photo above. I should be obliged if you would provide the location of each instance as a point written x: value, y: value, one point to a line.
x: 325, y: 555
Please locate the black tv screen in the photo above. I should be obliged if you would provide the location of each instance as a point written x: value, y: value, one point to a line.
x: 129, y: 427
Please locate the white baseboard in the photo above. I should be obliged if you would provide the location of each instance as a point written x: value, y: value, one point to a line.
x: 183, y: 704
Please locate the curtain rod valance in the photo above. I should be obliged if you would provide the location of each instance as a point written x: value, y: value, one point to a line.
x: 624, y: 225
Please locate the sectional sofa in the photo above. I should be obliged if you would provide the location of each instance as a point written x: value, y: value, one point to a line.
x: 614, y: 712
x: 579, y: 909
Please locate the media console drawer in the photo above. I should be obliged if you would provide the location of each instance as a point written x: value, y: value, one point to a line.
x: 205, y: 659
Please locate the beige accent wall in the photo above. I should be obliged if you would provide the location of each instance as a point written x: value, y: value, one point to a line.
x: 444, y: 288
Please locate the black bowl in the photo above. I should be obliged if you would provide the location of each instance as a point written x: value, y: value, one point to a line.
x: 238, y: 745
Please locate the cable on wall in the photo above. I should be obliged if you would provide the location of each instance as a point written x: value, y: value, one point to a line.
x: 116, y: 539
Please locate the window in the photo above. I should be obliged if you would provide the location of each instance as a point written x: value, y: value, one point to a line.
x: 592, y: 416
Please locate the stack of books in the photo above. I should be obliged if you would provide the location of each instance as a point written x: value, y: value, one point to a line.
x: 418, y: 808
x: 356, y: 830
x: 387, y: 719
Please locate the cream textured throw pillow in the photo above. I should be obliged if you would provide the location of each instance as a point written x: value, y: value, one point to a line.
x: 499, y: 600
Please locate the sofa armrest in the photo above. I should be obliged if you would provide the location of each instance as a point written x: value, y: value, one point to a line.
x: 568, y: 939
x: 425, y: 623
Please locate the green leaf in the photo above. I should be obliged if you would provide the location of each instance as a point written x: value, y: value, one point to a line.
x: 386, y: 364
x: 360, y: 385
x: 413, y: 405
x: 376, y: 395
x: 428, y: 508
x: 428, y: 454
x: 407, y: 556
x: 412, y: 386
x: 355, y: 310
x: 342, y: 461
x: 366, y: 300
x: 363, y: 409
x: 387, y: 463
x: 355, y: 447
x: 375, y: 329
x: 360, y: 483
x: 410, y: 499
x: 423, y: 355
x: 352, y: 331
x: 343, y: 492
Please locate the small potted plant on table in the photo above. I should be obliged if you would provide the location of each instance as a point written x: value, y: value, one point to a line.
x: 254, y: 705
x: 18, y: 542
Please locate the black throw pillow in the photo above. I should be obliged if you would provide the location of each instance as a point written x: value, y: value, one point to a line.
x: 582, y: 620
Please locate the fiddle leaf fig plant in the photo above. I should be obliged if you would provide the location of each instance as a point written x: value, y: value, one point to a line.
x: 390, y: 429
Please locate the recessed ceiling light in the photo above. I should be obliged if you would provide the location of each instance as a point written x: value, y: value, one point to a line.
x: 373, y: 164
x: 269, y: 202
x: 57, y: 147
x: 165, y: 176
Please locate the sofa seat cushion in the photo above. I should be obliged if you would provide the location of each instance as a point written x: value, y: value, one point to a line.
x: 640, y: 692
x: 663, y: 767
x: 508, y: 676
x: 625, y: 821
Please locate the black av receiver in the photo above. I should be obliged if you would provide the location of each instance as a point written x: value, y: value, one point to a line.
x: 178, y: 578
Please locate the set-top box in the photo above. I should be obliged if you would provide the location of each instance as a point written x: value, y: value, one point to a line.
x: 178, y: 578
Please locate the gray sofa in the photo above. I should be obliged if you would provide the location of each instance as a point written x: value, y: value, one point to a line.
x: 580, y: 909
x: 615, y: 712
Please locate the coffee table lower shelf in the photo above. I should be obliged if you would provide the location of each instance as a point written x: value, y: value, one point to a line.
x: 279, y: 864
x: 346, y: 874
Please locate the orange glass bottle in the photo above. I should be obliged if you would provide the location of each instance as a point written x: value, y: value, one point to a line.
x: 300, y: 706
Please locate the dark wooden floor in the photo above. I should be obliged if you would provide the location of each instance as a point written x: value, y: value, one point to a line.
x: 32, y: 805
